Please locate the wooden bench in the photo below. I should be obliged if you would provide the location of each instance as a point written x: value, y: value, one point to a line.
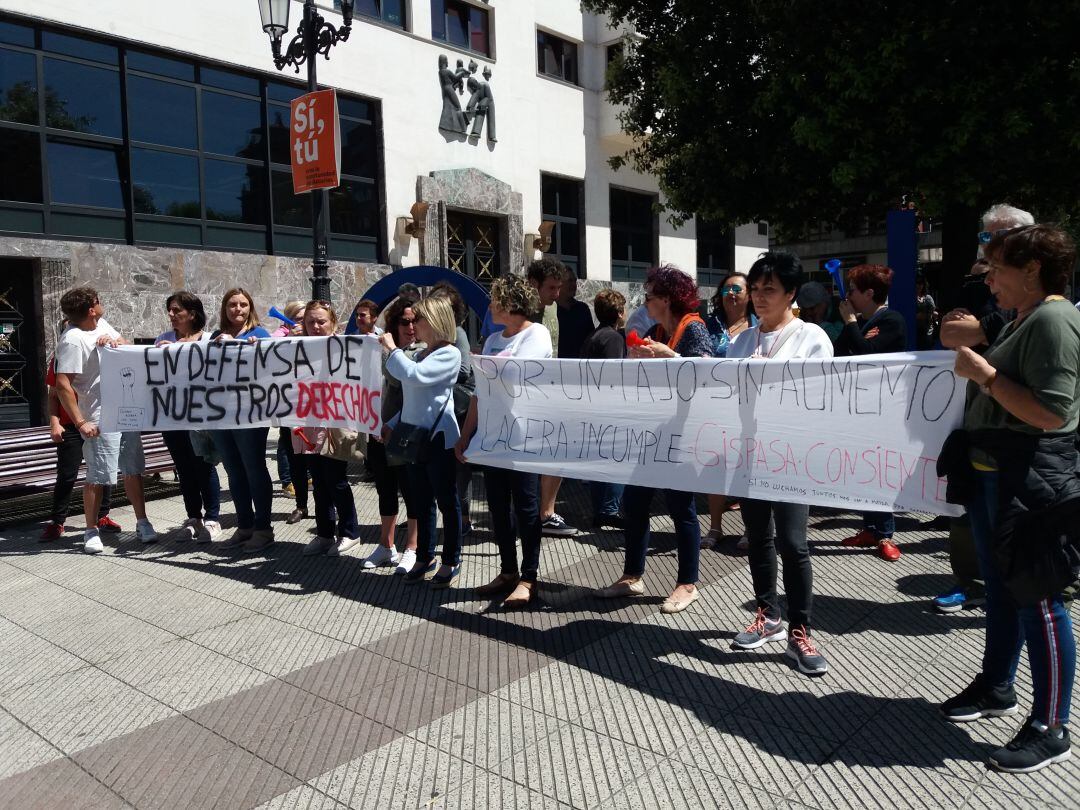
x: 28, y: 460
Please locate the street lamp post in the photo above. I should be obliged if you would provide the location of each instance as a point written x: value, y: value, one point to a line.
x: 314, y: 36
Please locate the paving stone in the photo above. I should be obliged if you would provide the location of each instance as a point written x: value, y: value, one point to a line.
x: 20, y: 748
x: 25, y: 658
x: 270, y: 645
x: 58, y: 784
x: 407, y: 698
x: 82, y: 708
x: 303, y: 797
x: 675, y: 784
x: 98, y: 633
x: 489, y: 790
x: 576, y: 766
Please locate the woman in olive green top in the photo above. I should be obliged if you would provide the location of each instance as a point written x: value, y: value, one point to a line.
x: 1021, y: 420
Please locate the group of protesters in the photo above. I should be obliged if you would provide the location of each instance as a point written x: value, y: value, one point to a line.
x: 1014, y: 466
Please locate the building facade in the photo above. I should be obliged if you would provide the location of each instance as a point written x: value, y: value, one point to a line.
x: 148, y: 152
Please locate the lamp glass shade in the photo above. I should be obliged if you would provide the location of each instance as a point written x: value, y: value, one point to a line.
x: 275, y: 16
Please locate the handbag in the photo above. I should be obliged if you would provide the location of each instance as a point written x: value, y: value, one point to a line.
x: 411, y: 444
x: 344, y: 445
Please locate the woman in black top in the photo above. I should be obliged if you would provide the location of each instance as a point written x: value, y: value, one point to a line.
x: 870, y: 327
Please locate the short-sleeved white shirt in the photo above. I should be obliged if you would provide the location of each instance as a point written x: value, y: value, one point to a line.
x: 534, y: 341
x: 77, y: 354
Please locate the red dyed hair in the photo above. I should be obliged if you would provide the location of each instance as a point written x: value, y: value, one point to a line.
x: 676, y: 286
x: 877, y: 278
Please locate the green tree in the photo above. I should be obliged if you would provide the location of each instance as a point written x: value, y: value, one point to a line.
x: 801, y: 112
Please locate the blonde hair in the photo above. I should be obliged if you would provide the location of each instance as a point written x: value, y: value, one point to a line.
x: 437, y: 311
x: 292, y: 309
x: 323, y: 305
x: 253, y: 316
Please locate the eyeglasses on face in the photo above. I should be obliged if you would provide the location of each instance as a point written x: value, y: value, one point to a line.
x: 408, y: 321
x: 986, y: 236
x: 731, y: 289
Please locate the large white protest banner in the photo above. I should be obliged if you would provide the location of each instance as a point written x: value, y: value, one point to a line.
x: 332, y: 381
x: 861, y: 432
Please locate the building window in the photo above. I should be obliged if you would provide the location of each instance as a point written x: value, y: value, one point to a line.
x: 562, y: 202
x: 633, y: 234
x: 391, y: 12
x: 556, y: 57
x: 715, y: 248
x: 101, y: 142
x: 462, y: 25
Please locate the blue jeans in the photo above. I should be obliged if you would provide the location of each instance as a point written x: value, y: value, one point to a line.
x: 606, y: 498
x: 332, y: 494
x: 434, y: 483
x: 284, y: 456
x: 523, y: 517
x: 1046, y: 626
x: 243, y: 452
x: 636, y: 507
x: 882, y: 524
x: 199, y: 482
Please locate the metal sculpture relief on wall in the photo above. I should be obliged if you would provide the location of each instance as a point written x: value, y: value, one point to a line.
x: 479, y: 109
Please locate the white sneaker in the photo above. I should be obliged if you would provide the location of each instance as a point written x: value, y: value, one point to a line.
x: 92, y: 542
x: 319, y: 545
x: 211, y: 531
x: 190, y: 529
x: 384, y: 556
x: 343, y: 545
x: 405, y: 562
x: 145, y: 531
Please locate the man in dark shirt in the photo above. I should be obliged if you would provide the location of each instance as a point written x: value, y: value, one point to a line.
x: 575, y: 320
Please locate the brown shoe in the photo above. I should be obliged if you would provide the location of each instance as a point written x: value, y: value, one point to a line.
x: 520, y: 597
x: 503, y: 583
x: 296, y: 516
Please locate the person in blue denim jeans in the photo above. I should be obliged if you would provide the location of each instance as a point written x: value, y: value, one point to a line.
x: 243, y: 451
x: 1024, y: 392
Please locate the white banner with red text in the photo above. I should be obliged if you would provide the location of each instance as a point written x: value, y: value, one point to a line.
x: 857, y: 433
x: 315, y: 381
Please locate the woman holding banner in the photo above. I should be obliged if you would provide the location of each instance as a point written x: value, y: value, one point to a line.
x: 401, y: 323
x: 336, y: 526
x: 1021, y: 466
x: 774, y: 281
x: 671, y: 296
x: 427, y: 421
x: 513, y: 495
x: 199, y: 482
x: 292, y: 468
x: 243, y: 451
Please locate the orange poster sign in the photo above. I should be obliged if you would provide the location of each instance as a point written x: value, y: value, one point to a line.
x: 315, y: 142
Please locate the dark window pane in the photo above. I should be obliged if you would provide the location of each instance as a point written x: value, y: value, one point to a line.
x: 18, y: 87
x: 358, y: 153
x: 231, y: 125
x: 16, y: 34
x: 369, y: 8
x: 22, y: 220
x: 84, y: 175
x: 296, y: 244
x: 353, y: 208
x: 457, y: 26
x: 20, y: 165
x: 279, y: 134
x: 162, y: 112
x: 641, y: 215
x: 620, y: 244
x: 549, y: 196
x: 172, y: 233
x: 72, y: 224
x: 161, y: 66
x: 568, y: 239
x: 82, y: 98
x: 290, y: 209
x: 341, y: 248
x: 478, y: 25
x: 393, y: 13
x: 224, y: 236
x: 82, y: 48
x: 354, y: 108
x: 165, y: 183
x: 438, y: 19
x: 276, y: 91
x: 229, y: 81
x: 234, y: 192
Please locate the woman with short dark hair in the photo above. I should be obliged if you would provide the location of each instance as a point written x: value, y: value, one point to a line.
x: 774, y: 281
x: 671, y: 296
x: 1023, y: 409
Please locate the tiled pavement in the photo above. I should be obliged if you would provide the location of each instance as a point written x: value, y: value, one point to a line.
x: 182, y: 676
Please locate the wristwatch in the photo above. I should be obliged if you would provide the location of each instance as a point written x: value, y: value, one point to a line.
x: 985, y: 387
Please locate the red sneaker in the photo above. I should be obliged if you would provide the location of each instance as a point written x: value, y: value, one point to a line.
x: 888, y: 550
x: 52, y: 531
x: 107, y: 524
x: 864, y: 539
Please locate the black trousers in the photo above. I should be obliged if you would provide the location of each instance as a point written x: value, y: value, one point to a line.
x: 68, y: 458
x: 790, y: 519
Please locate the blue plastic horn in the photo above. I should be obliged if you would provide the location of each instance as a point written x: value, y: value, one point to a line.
x: 833, y: 266
x: 277, y: 313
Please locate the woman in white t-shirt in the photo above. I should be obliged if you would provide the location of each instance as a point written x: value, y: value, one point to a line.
x: 774, y: 281
x: 512, y: 299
